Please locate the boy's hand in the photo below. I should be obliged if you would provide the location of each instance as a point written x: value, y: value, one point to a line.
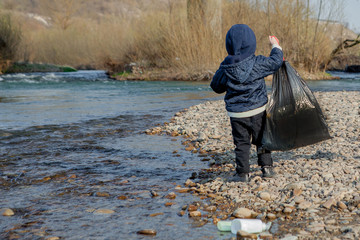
x: 273, y: 40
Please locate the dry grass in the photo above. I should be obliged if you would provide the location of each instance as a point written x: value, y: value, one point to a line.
x: 158, y: 34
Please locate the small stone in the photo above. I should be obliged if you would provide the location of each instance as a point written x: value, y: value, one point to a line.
x: 215, y: 220
x: 299, y: 199
x: 182, y: 190
x: 211, y: 209
x: 181, y: 213
x: 104, y: 211
x: 317, y: 227
x: 304, y: 205
x: 242, y: 213
x: 341, y: 205
x: 297, y: 191
x: 329, y: 203
x: 154, y: 193
x: 102, y: 194
x: 245, y: 235
x: 147, y: 232
x: 287, y: 210
x: 266, y: 236
x: 265, y: 196
x: 52, y: 238
x: 155, y: 214
x: 211, y: 195
x: 122, y: 197
x: 190, y: 183
x: 271, y: 216
x: 8, y: 212
x: 169, y: 204
x: 192, y: 208
x: 171, y: 195
x: 195, y: 214
x: 289, y: 237
x: 190, y: 148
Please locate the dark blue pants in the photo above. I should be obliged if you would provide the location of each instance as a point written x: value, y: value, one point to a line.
x: 246, y: 131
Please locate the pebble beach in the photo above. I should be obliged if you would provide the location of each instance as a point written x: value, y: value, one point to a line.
x: 316, y: 192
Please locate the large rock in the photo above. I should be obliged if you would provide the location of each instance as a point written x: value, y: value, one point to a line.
x: 242, y: 213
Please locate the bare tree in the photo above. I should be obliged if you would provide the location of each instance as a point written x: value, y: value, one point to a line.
x: 207, y: 12
x: 60, y: 11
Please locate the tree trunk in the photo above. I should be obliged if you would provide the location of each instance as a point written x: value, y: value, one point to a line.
x: 348, y: 43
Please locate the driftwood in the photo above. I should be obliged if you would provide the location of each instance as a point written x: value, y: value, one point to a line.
x: 348, y: 43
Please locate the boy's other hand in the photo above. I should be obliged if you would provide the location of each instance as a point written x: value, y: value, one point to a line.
x: 273, y: 40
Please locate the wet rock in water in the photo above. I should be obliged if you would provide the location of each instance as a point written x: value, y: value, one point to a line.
x: 190, y: 183
x: 151, y: 232
x: 156, y: 214
x: 7, y: 212
x: 154, y: 193
x: 171, y: 195
x: 210, y: 209
x: 242, y: 213
x: 195, y: 214
x: 102, y: 194
x: 192, y: 208
x: 104, y: 211
x: 169, y: 204
x: 122, y: 197
x: 181, y: 213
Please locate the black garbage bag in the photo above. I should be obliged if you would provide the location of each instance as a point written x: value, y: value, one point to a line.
x: 293, y: 116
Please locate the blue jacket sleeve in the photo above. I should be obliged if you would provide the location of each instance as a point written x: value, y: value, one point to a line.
x: 219, y: 81
x: 269, y: 65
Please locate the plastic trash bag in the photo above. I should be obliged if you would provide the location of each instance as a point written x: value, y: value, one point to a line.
x: 293, y: 116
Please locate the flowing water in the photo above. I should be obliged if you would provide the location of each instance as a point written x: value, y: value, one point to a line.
x: 72, y: 144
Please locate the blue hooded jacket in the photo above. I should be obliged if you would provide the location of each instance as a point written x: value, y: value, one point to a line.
x: 241, y: 74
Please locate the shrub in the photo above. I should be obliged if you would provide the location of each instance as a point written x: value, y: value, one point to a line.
x: 10, y: 37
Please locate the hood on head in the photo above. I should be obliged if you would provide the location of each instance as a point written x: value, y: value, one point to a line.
x: 240, y: 42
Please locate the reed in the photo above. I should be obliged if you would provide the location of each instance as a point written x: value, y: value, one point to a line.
x: 164, y: 37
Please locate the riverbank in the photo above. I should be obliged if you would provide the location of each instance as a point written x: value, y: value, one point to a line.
x: 24, y: 67
x: 140, y: 74
x: 316, y: 193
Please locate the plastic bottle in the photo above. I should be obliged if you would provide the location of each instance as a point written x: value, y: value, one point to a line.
x: 249, y: 225
x: 224, y: 226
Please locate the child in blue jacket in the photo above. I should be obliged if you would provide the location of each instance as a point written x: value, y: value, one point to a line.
x: 241, y: 76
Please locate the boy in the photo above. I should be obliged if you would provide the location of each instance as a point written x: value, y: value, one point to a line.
x: 241, y: 76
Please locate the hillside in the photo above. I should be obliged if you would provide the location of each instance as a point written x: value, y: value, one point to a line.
x: 157, y: 36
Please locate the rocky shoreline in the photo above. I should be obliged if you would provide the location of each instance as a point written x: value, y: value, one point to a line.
x: 316, y: 193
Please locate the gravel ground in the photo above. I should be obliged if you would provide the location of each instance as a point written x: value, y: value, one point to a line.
x: 316, y: 193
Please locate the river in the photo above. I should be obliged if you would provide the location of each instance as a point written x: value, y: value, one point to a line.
x: 72, y: 146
